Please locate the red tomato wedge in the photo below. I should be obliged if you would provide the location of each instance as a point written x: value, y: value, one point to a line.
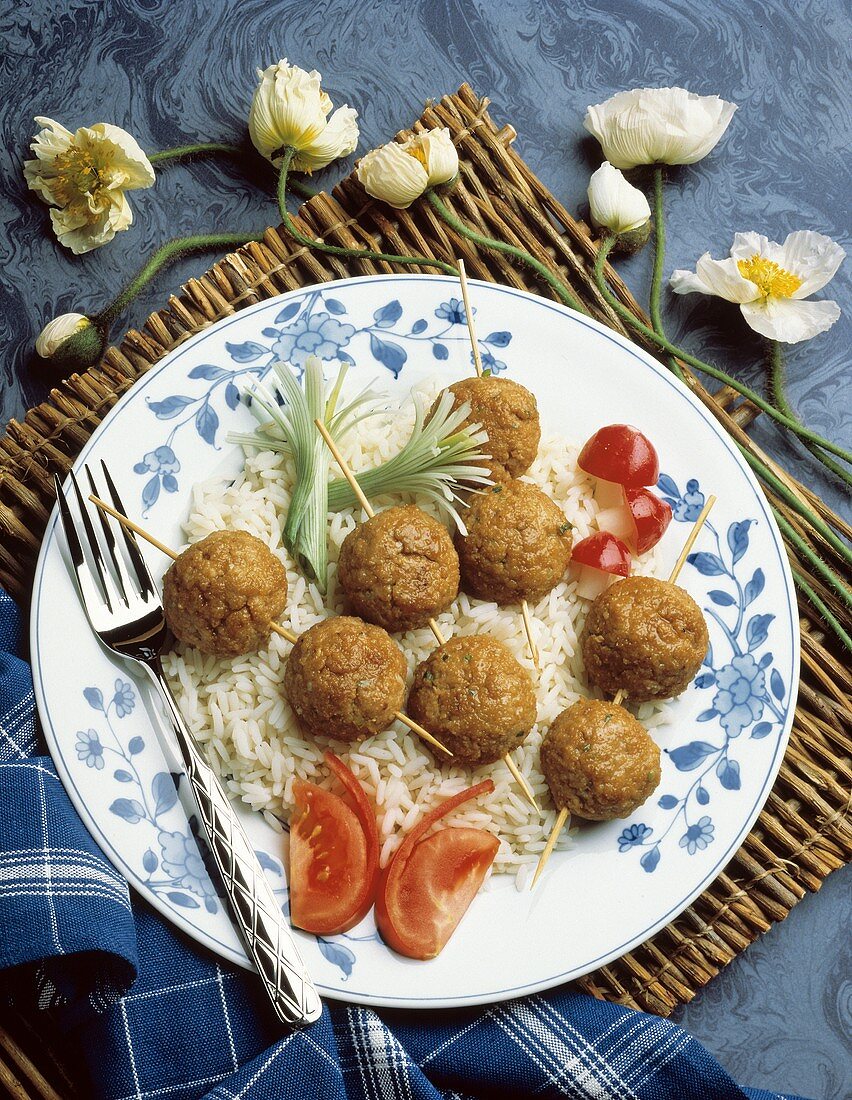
x: 357, y: 801
x: 651, y: 517
x: 331, y: 887
x: 621, y: 453
x: 596, y: 560
x: 427, y: 887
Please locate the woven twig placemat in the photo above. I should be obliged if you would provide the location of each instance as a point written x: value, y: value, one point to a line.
x: 804, y: 831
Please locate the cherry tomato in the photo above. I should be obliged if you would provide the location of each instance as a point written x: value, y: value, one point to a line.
x: 621, y: 454
x: 329, y: 876
x: 603, y: 551
x: 651, y: 516
x: 596, y: 561
x: 427, y: 887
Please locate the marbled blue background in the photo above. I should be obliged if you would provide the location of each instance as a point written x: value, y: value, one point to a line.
x: 174, y: 70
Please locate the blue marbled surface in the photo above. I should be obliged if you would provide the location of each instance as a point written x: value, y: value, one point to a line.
x: 175, y: 70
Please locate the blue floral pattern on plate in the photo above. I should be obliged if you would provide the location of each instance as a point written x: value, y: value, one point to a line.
x: 309, y: 325
x: 747, y: 686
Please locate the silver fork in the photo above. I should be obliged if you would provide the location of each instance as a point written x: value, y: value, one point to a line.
x: 125, y: 611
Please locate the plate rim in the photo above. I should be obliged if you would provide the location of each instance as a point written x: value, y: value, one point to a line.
x: 203, y: 938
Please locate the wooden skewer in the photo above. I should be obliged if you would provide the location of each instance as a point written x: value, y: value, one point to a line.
x: 468, y: 312
x: 477, y: 362
x: 433, y: 626
x: 276, y: 628
x: 562, y: 817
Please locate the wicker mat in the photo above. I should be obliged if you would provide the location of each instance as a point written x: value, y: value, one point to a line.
x: 804, y: 831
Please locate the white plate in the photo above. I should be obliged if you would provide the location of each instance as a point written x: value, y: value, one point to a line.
x: 621, y: 881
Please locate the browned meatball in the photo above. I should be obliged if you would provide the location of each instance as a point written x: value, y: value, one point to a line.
x: 509, y: 414
x: 645, y: 636
x: 517, y: 546
x: 221, y: 593
x: 599, y: 762
x: 474, y: 697
x: 399, y: 568
x: 345, y: 679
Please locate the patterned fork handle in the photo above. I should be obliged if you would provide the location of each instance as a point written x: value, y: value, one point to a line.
x: 258, y: 915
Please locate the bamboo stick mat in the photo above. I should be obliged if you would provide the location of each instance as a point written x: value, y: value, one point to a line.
x: 804, y: 831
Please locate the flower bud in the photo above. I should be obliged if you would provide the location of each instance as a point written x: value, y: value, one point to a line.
x: 615, y: 204
x: 71, y: 340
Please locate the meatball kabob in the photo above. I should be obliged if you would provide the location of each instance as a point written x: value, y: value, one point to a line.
x: 486, y: 583
x: 354, y: 548
x: 578, y: 749
x: 338, y: 648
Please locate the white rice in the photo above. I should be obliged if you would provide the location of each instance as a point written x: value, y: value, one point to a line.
x: 237, y: 710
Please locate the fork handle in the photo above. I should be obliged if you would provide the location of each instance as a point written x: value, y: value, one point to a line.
x: 257, y: 913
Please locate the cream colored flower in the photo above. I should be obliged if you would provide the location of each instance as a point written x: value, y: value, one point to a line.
x: 84, y: 177
x: 769, y: 282
x: 616, y: 204
x: 658, y: 126
x: 399, y: 173
x: 290, y: 108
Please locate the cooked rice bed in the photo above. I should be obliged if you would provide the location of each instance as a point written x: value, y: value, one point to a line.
x: 237, y: 711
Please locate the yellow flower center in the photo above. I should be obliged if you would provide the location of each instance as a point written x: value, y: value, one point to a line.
x: 772, y: 280
x: 76, y: 174
x: 417, y: 151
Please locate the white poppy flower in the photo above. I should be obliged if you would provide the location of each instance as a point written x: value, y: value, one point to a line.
x: 769, y: 282
x: 616, y: 204
x: 84, y: 177
x: 399, y: 173
x: 290, y: 108
x: 658, y: 126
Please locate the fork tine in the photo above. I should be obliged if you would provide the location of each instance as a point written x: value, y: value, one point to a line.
x: 85, y: 581
x: 143, y: 574
x: 109, y: 538
x: 107, y: 583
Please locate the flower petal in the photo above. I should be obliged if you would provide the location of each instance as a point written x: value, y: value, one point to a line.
x: 719, y: 277
x: 338, y: 139
x: 123, y: 154
x: 789, y: 320
x: 57, y: 331
x: 814, y: 257
x: 442, y: 158
x: 392, y: 175
x: 658, y: 126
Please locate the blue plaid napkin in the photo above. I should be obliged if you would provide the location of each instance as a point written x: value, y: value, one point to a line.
x: 153, y: 1015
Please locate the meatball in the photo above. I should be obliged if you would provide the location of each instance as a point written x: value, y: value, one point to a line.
x: 645, y: 636
x: 509, y: 414
x: 517, y: 546
x: 399, y: 568
x: 474, y: 697
x: 345, y: 679
x: 221, y: 593
x: 599, y: 762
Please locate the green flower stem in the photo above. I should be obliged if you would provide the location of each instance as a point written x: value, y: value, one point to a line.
x: 164, y: 255
x: 699, y: 364
x: 200, y: 148
x: 507, y: 249
x: 828, y: 618
x: 790, y: 498
x: 778, y: 395
x: 659, y: 261
x: 831, y: 578
x: 336, y: 250
x: 302, y: 188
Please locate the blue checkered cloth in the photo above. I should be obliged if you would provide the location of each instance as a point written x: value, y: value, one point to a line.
x: 153, y: 1015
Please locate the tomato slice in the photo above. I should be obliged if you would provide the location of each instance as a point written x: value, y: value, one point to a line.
x: 603, y: 551
x: 424, y: 894
x: 651, y: 516
x: 329, y: 880
x: 621, y: 453
x: 357, y: 801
